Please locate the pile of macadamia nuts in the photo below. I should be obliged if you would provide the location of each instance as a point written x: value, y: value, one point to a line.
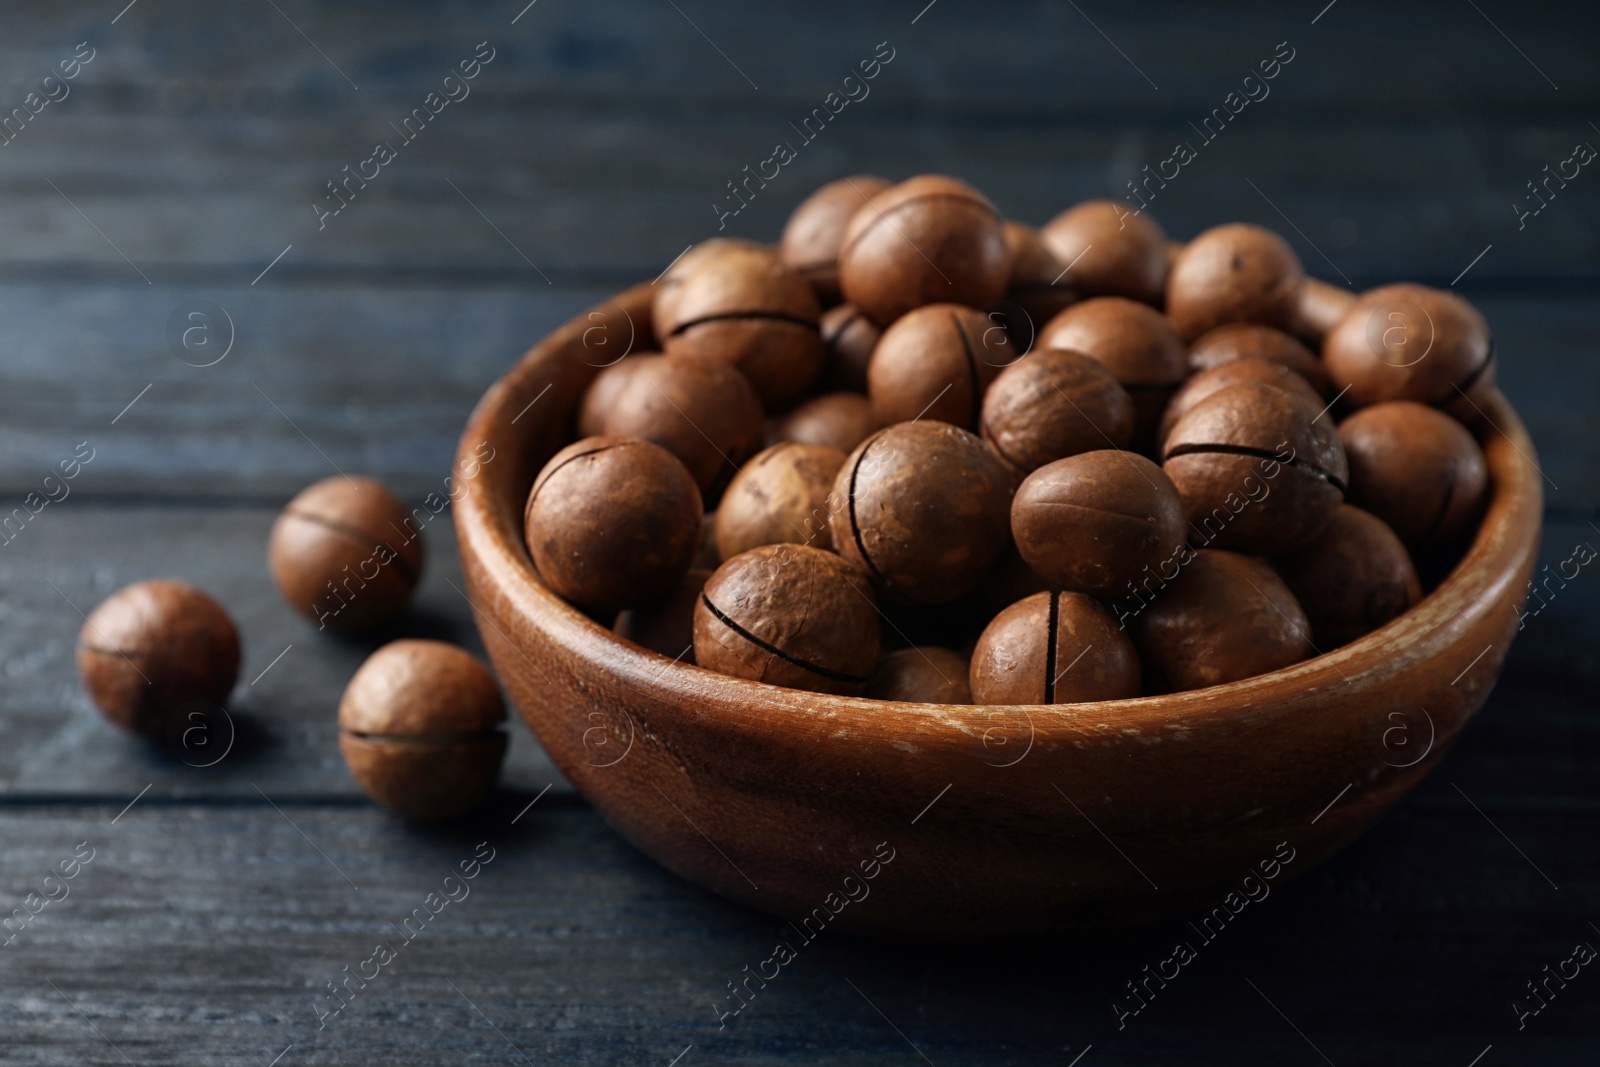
x: 922, y: 453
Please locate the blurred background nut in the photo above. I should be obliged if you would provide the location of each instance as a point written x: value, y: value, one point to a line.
x: 1354, y: 577
x: 928, y: 239
x: 925, y: 675
x: 1109, y: 251
x: 1038, y: 286
x: 1234, y: 273
x: 419, y: 728
x: 1416, y: 468
x: 346, y: 553
x: 1224, y: 617
x: 1251, y: 340
x: 667, y: 625
x: 813, y: 234
x: 153, y: 648
x: 1410, y: 342
x: 849, y: 338
x: 837, y: 420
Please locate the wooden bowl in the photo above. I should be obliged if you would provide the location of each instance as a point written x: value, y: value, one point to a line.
x: 999, y: 820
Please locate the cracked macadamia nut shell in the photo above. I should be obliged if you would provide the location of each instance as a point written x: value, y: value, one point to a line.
x: 419, y: 728
x: 789, y: 615
x: 1410, y: 342
x: 1354, y: 577
x: 1098, y: 522
x: 154, y: 647
x: 929, y: 239
x: 935, y: 363
x: 1109, y: 251
x: 1233, y: 273
x: 1137, y: 345
x: 779, y: 497
x: 924, y: 675
x: 926, y: 511
x: 1257, y: 468
x: 813, y: 234
x: 612, y: 522
x: 1251, y: 340
x: 1054, y: 648
x: 1224, y: 617
x: 1052, y: 404
x: 744, y: 308
x: 701, y: 411
x: 346, y: 553
x: 1417, y: 469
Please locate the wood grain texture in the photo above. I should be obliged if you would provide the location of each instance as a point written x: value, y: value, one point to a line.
x: 204, y: 935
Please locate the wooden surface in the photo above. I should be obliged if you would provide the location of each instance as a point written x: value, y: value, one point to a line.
x: 595, y: 143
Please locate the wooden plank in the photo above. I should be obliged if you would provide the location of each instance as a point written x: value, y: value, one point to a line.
x: 283, y: 712
x: 380, y: 379
x: 206, y: 935
x: 1537, y: 738
x: 591, y: 193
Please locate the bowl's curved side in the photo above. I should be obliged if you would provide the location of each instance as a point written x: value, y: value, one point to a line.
x: 1001, y: 819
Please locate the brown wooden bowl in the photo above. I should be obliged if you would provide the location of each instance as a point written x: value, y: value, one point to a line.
x: 1002, y: 820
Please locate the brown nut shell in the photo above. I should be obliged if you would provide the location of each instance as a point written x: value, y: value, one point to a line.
x: 152, y: 649
x: 701, y: 411
x: 1054, y: 648
x: 735, y: 251
x: 1410, y: 342
x: 1135, y: 342
x: 1417, y: 469
x: 935, y: 363
x: 1251, y: 340
x: 813, y: 234
x: 779, y: 497
x: 612, y: 522
x: 1224, y: 617
x: 1354, y: 577
x: 1257, y: 468
x: 1110, y: 250
x: 1038, y: 279
x: 926, y: 510
x: 667, y: 625
x: 1234, y: 273
x: 1099, y: 522
x: 602, y: 393
x: 346, y: 553
x: 789, y: 615
x: 925, y: 675
x: 836, y: 420
x: 1052, y: 404
x: 929, y: 239
x: 747, y: 310
x: 420, y: 729
x: 849, y: 337
x: 1231, y: 372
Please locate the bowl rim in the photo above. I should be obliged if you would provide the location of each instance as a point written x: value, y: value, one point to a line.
x: 490, y: 533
